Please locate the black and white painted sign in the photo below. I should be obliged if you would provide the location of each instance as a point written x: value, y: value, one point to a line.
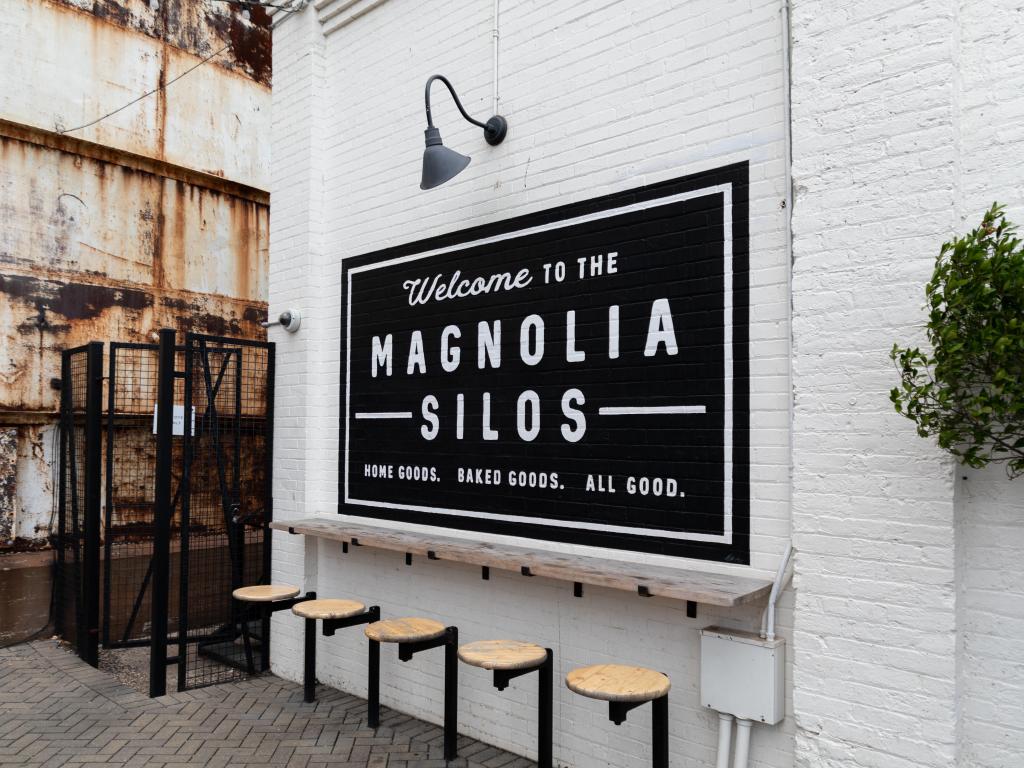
x: 577, y: 375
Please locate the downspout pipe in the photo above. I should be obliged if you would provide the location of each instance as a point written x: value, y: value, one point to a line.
x: 742, y: 756
x: 781, y: 577
x: 724, y: 739
x: 495, y: 37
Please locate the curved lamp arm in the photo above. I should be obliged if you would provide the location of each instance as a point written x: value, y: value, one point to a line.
x: 494, y: 129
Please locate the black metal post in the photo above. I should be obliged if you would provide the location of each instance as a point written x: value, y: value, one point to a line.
x: 243, y: 614
x: 65, y: 411
x: 264, y: 637
x: 109, y: 492
x: 451, y: 693
x: 162, y: 515
x: 373, y: 685
x: 185, y: 522
x: 659, y: 725
x: 309, y: 673
x: 93, y: 475
x: 268, y: 491
x: 373, y: 679
x: 545, y: 715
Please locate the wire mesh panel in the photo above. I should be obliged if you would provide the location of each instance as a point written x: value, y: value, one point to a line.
x: 226, y: 507
x: 77, y: 592
x: 70, y: 518
x: 129, y: 493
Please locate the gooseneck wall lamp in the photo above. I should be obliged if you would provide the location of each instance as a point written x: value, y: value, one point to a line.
x: 440, y: 163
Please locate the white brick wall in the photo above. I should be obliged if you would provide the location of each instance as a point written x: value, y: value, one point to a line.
x: 296, y: 263
x: 990, y: 620
x: 990, y: 509
x: 600, y: 97
x: 907, y: 123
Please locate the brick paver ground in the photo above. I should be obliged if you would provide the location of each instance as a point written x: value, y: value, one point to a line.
x: 57, y: 711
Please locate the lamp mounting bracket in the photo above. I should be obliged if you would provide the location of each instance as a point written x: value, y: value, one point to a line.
x: 495, y: 128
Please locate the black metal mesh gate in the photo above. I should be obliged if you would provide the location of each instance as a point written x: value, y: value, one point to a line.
x: 226, y: 508
x: 218, y: 503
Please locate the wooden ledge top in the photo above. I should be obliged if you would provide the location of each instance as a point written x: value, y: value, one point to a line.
x: 648, y: 580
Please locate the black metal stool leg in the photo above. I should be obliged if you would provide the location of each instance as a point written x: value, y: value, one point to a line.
x: 374, y: 685
x: 243, y: 625
x: 545, y: 726
x: 659, y: 724
x: 451, y: 694
x: 373, y: 678
x: 265, y: 612
x: 309, y: 671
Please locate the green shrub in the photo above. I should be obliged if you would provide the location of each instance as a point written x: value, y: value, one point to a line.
x: 969, y: 393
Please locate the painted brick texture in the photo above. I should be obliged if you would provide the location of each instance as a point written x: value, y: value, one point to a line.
x: 907, y: 123
x: 908, y: 602
x: 600, y: 97
x: 990, y: 508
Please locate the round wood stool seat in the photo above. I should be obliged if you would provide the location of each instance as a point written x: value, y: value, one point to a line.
x: 265, y: 593
x: 618, y: 682
x: 503, y: 654
x: 328, y: 609
x: 408, y: 630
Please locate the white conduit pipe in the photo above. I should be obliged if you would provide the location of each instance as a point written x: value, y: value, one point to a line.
x: 768, y: 617
x: 742, y: 756
x: 724, y: 739
x: 495, y: 35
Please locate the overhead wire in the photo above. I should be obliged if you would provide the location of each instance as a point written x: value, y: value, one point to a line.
x: 147, y: 93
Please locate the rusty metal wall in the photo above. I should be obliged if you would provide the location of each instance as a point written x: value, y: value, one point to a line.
x: 199, y: 27
x: 153, y: 218
x: 90, y: 250
x: 66, y: 63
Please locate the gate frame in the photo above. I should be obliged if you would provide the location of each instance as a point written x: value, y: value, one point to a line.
x: 164, y: 504
x: 87, y: 585
x: 88, y: 598
x: 162, y: 511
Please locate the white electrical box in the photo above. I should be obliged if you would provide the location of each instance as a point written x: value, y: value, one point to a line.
x: 743, y: 675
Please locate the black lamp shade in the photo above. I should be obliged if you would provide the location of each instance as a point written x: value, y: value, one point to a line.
x: 439, y: 163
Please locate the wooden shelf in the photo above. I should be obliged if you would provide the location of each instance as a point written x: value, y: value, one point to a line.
x: 692, y: 586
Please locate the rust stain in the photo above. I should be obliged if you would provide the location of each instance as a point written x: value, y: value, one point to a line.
x: 251, y: 46
x: 15, y: 136
x: 112, y: 11
x: 159, y: 276
x: 198, y: 27
x: 73, y: 301
x: 8, y: 482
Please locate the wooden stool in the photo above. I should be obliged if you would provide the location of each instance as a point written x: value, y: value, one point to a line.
x: 334, y: 614
x: 414, y: 635
x: 510, y: 659
x: 626, y: 688
x: 270, y: 598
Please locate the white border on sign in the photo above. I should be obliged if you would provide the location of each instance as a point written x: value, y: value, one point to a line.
x: 726, y: 536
